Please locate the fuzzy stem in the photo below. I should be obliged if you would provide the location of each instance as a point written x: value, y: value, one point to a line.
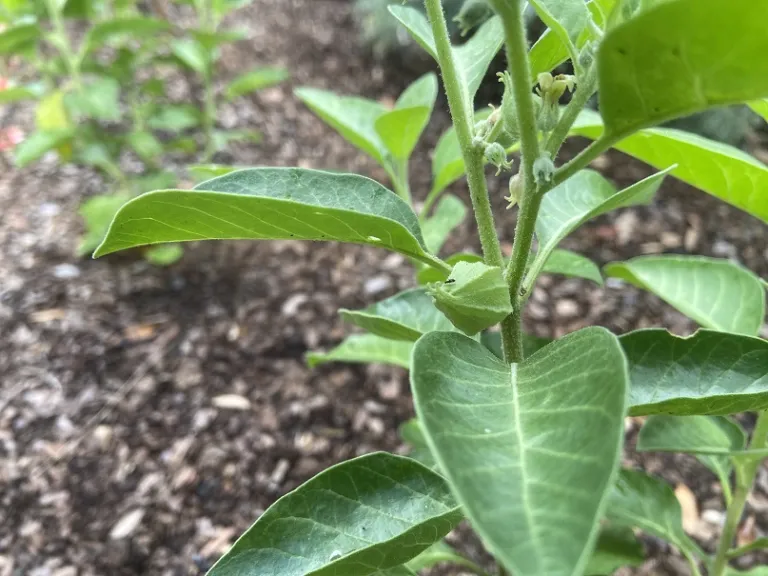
x: 511, y: 14
x: 461, y: 113
x: 745, y: 478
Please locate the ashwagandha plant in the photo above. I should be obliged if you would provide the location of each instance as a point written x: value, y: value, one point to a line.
x: 199, y: 50
x: 522, y: 437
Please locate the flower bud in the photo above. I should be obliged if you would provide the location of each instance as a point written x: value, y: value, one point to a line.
x: 515, y: 190
x: 496, y: 154
x: 543, y: 168
x: 508, y: 109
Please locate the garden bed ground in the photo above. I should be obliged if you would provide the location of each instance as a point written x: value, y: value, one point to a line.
x: 117, y: 453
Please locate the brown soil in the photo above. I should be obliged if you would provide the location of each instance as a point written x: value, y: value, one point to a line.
x: 111, y: 371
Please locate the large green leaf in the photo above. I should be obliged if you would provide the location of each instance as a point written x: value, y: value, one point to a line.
x: 699, y: 435
x: 401, y: 128
x: 707, y: 373
x: 405, y: 316
x: 616, y: 547
x: 271, y: 203
x: 717, y: 294
x: 449, y: 213
x: 641, y: 501
x: 366, y: 349
x: 352, y: 117
x: 681, y: 58
x: 578, y: 200
x: 721, y: 170
x: 357, y: 518
x: 255, y: 80
x: 760, y: 107
x: 572, y: 264
x: 530, y: 450
x: 472, y: 58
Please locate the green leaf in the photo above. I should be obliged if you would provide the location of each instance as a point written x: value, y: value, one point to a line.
x: 175, y: 118
x: 366, y: 349
x: 272, y: 203
x: 18, y: 38
x: 148, y: 148
x: 405, y: 316
x: 360, y: 517
x: 718, y: 169
x: 760, y: 107
x: 572, y: 264
x: 641, y: 501
x: 438, y: 553
x: 222, y: 138
x: 474, y: 296
x: 255, y: 80
x: 211, y: 41
x: 37, y: 144
x: 164, y: 254
x: 616, y: 547
x: 203, y: 172
x: 717, y: 294
x: 531, y: 344
x: 548, y: 52
x: 567, y: 18
x: 192, y: 54
x: 759, y: 544
x: 51, y: 114
x: 653, y: 69
x: 758, y: 571
x: 427, y: 274
x: 412, y: 434
x: 578, y: 200
x: 472, y: 58
x: 98, y: 100
x: 401, y: 128
x: 97, y: 212
x: 352, y: 117
x: 530, y: 450
x: 18, y: 93
x: 449, y: 213
x: 699, y: 435
x: 707, y: 373
x: 126, y: 27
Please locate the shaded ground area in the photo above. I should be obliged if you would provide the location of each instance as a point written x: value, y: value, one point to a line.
x: 147, y: 416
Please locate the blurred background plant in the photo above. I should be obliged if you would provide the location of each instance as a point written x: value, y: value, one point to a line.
x: 98, y: 72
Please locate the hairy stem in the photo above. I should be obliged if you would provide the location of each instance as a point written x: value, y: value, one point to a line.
x: 583, y: 159
x: 511, y: 13
x: 462, y: 115
x: 745, y: 478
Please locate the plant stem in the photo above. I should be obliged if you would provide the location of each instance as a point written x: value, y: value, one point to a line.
x: 583, y: 159
x: 511, y: 14
x: 209, y: 114
x: 745, y: 478
x: 462, y: 115
x: 63, y: 44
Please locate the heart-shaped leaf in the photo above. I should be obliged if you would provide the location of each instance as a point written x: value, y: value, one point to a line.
x: 715, y: 293
x: 641, y: 501
x: 617, y: 547
x: 255, y: 80
x: 707, y: 373
x: 366, y: 349
x: 718, y: 169
x: 361, y: 517
x: 449, y: 213
x: 271, y: 203
x: 405, y: 316
x: 652, y: 69
x: 472, y: 58
x: 401, y: 128
x: 531, y: 450
x: 578, y: 200
x: 572, y: 264
x: 700, y: 435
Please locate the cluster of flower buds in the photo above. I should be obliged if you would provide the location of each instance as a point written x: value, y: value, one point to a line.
x: 550, y: 90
